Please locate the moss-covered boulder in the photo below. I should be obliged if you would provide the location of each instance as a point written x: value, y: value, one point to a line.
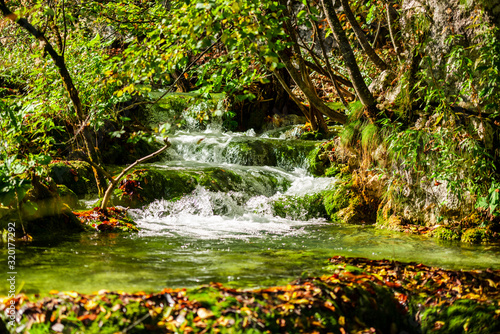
x: 476, y: 235
x: 250, y: 151
x: 346, y: 203
x: 464, y: 316
x: 323, y: 162
x: 300, y: 207
x: 78, y: 176
x: 41, y: 213
x: 446, y: 233
x: 67, y: 196
x: 145, y: 185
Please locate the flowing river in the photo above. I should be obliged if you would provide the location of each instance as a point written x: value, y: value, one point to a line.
x: 231, y: 237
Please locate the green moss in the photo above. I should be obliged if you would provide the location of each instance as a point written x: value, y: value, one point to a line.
x: 67, y: 196
x: 250, y: 152
x: 464, y: 316
x: 336, y: 200
x: 76, y: 175
x: 476, y: 235
x: 143, y: 186
x: 322, y: 160
x: 446, y: 233
x: 300, y: 207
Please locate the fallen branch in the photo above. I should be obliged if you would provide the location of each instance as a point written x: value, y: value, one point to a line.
x: 114, y: 182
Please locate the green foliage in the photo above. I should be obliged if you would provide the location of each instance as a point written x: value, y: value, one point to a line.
x: 491, y: 201
x: 445, y: 233
x: 444, y: 154
x: 370, y: 138
x: 239, y: 39
x: 350, y: 134
x: 13, y: 186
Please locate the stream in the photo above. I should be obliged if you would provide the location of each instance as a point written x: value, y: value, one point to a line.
x: 231, y: 237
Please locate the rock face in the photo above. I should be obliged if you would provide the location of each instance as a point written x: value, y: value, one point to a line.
x: 440, y: 26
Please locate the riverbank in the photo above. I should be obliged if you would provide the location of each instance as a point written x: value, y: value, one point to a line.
x: 360, y: 295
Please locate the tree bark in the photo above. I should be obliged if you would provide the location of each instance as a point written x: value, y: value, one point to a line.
x: 364, y: 94
x: 360, y: 35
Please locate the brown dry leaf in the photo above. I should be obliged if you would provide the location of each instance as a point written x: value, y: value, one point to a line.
x: 203, y: 313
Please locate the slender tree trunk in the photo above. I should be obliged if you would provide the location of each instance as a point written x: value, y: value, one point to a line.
x: 309, y: 92
x: 364, y: 94
x: 301, y: 76
x: 391, y: 31
x: 360, y: 35
x: 68, y: 85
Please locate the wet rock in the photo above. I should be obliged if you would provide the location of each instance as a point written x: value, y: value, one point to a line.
x: 144, y: 186
x: 76, y: 175
x: 300, y: 207
x: 67, y: 196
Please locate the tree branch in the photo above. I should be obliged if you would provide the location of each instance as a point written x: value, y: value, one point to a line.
x: 114, y: 182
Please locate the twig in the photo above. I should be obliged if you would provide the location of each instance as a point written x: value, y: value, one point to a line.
x: 114, y: 182
x: 137, y: 322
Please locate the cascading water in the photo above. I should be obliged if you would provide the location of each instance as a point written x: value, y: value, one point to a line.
x: 235, y: 237
x: 247, y: 213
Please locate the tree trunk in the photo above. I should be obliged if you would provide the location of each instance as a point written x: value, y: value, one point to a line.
x: 364, y: 94
x: 391, y: 31
x: 301, y: 76
x: 309, y: 92
x: 360, y: 35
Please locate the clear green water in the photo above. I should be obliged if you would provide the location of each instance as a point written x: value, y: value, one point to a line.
x: 90, y: 262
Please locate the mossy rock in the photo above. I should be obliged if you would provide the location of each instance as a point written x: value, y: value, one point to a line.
x: 300, y: 207
x: 346, y: 204
x: 250, y: 152
x: 59, y: 223
x: 446, y: 233
x: 464, y: 316
x: 322, y: 161
x: 143, y: 186
x: 476, y: 235
x: 336, y: 200
x: 76, y: 175
x: 67, y: 196
x: 268, y: 152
